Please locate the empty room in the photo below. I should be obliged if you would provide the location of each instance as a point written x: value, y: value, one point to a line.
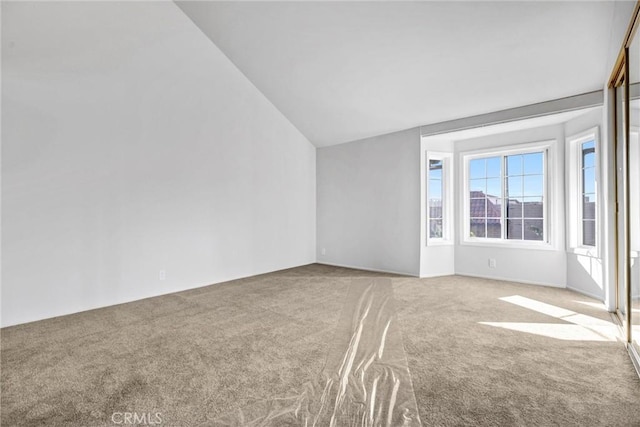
x: 320, y: 213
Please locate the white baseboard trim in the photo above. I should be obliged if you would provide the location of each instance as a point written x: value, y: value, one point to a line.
x: 589, y: 294
x: 431, y: 276
x: 176, y: 289
x: 635, y: 357
x: 505, y: 279
x: 375, y: 270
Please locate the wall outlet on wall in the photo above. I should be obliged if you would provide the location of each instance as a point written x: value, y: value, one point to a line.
x: 162, y: 275
x: 492, y: 263
x: 323, y: 251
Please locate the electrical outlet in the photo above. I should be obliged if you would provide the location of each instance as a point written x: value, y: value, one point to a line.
x: 162, y: 275
x: 323, y: 251
x: 492, y: 263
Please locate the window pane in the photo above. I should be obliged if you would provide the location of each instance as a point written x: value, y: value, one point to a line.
x: 477, y: 186
x: 514, y: 187
x: 435, y: 189
x: 589, y: 180
x: 589, y: 233
x: 477, y: 227
x: 514, y: 165
x: 476, y: 168
x: 494, y: 207
x: 477, y: 208
x: 589, y: 159
x: 494, y: 168
x: 514, y: 209
x: 435, y: 228
x: 589, y: 206
x: 435, y: 209
x: 533, y: 229
x: 494, y: 228
x: 533, y: 207
x: 589, y: 154
x: 533, y: 163
x: 435, y: 169
x: 514, y: 229
x: 533, y: 185
x: 494, y: 187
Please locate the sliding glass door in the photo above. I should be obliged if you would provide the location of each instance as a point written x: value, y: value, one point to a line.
x: 620, y: 142
x: 633, y: 194
x: 634, y: 229
x: 625, y: 88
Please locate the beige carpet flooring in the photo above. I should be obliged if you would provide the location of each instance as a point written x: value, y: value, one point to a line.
x: 480, y: 353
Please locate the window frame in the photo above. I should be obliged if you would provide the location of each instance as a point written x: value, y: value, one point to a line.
x: 547, y: 147
x: 576, y: 188
x: 447, y: 198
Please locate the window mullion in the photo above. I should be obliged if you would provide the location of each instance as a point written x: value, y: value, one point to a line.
x: 581, y: 194
x: 545, y: 196
x: 503, y: 215
x: 523, y: 204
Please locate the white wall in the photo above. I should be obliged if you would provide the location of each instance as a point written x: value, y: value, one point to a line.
x: 368, y: 203
x: 536, y: 266
x: 620, y: 19
x: 585, y: 269
x: 131, y: 145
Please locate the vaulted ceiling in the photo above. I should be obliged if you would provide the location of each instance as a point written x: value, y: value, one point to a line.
x: 341, y: 71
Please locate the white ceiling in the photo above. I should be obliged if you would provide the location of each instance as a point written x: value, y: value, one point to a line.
x: 342, y: 71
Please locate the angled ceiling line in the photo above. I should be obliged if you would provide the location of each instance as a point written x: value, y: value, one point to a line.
x: 540, y: 109
x: 251, y: 82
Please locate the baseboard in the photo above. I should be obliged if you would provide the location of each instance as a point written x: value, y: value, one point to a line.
x: 431, y: 276
x: 635, y: 357
x: 504, y: 279
x: 589, y: 294
x: 375, y: 270
x: 189, y: 287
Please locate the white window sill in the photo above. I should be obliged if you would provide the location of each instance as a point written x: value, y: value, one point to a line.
x: 512, y: 244
x: 589, y: 251
x: 439, y: 242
